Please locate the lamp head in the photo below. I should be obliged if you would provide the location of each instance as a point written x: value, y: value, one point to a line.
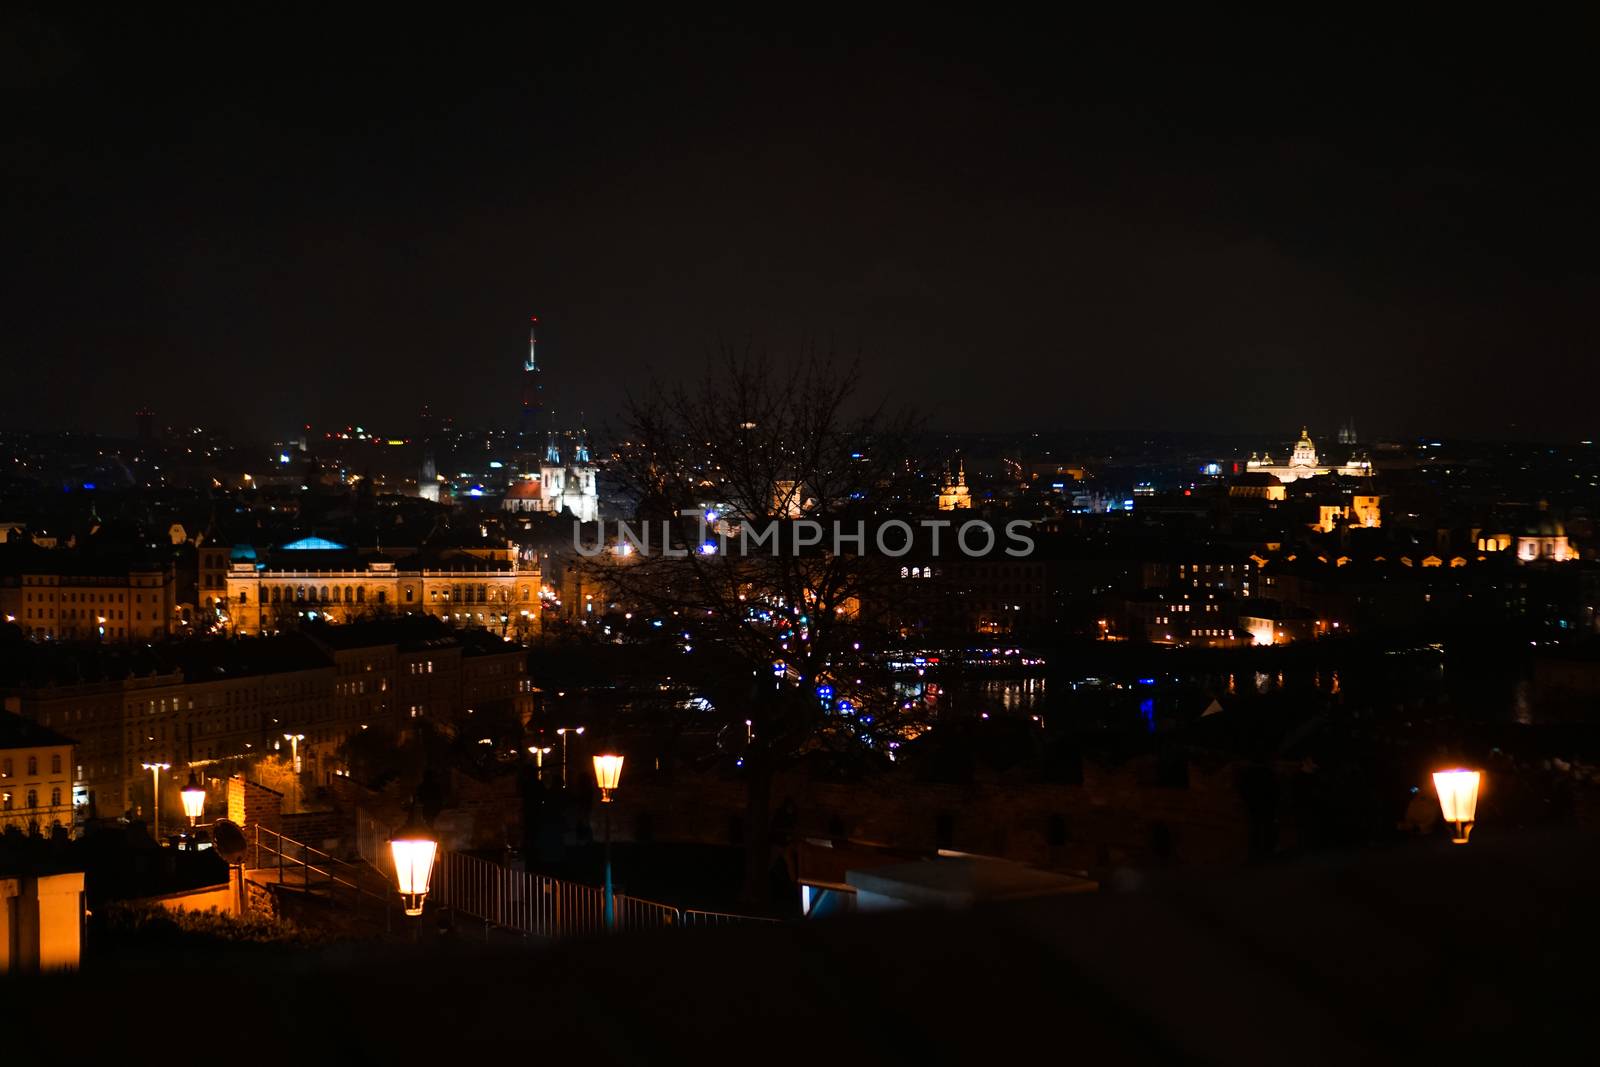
x: 1458, y: 799
x: 194, y: 799
x: 414, y: 849
x: 607, y: 774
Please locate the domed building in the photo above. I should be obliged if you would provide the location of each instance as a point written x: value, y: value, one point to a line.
x: 1544, y: 538
x: 1303, y: 463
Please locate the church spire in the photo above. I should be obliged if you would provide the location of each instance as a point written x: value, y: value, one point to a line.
x: 552, y: 447
x: 581, y: 453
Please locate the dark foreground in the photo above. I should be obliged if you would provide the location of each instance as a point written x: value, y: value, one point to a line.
x: 1413, y: 954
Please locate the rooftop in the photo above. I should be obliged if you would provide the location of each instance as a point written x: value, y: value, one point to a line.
x: 17, y: 732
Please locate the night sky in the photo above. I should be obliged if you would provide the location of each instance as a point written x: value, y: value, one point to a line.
x: 257, y: 222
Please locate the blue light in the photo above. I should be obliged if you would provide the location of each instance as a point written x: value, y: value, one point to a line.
x: 825, y: 691
x: 88, y: 485
x: 283, y: 458
x: 656, y: 623
x: 476, y: 490
x: 847, y: 707
x: 1147, y: 709
x: 1147, y: 681
x: 711, y: 514
x: 495, y: 464
x: 313, y: 544
x: 708, y: 549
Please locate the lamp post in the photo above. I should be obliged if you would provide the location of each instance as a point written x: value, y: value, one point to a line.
x: 413, y: 847
x: 607, y: 773
x: 1458, y: 799
x: 294, y: 760
x: 155, y: 770
x: 539, y: 753
x: 294, y: 748
x: 194, y: 801
x: 562, y: 733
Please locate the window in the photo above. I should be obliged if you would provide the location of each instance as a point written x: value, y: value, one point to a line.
x: 5, y: 802
x: 33, y: 798
x: 33, y: 766
x: 55, y: 763
x: 6, y: 768
x: 55, y: 797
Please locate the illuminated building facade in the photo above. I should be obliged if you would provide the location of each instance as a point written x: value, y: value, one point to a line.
x: 36, y: 772
x: 60, y: 600
x: 568, y: 481
x: 1364, y: 512
x: 314, y: 579
x: 953, y: 492
x: 1545, y: 539
x: 1304, y: 463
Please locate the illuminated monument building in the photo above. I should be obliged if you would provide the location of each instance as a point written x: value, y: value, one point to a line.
x: 566, y: 479
x: 954, y: 495
x: 1303, y: 463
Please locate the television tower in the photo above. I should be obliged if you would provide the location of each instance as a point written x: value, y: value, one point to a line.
x: 532, y: 388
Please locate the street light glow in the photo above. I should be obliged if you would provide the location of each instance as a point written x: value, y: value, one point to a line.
x: 413, y: 848
x: 1458, y: 799
x: 607, y: 773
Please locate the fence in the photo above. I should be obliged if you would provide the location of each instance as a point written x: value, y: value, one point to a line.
x: 298, y: 864
x: 534, y: 904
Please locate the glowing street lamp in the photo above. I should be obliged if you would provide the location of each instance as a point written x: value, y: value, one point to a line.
x: 294, y: 748
x: 607, y: 775
x: 1458, y: 799
x: 155, y: 770
x: 413, y: 848
x: 539, y: 753
x: 194, y: 801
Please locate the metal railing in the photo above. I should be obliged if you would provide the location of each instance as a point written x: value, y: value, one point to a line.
x: 298, y: 864
x: 540, y: 906
x: 698, y: 918
x: 534, y: 905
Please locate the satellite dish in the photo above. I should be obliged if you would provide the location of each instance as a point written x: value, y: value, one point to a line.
x: 229, y: 839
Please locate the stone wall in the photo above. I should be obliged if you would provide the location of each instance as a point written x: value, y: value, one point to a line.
x: 258, y: 899
x: 252, y: 804
x: 331, y: 831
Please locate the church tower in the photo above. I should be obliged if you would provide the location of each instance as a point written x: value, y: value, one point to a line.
x: 953, y: 492
x: 552, y: 472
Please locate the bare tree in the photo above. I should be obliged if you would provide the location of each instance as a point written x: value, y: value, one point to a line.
x: 760, y: 488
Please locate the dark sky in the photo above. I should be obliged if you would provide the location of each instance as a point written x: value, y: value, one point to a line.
x: 259, y: 221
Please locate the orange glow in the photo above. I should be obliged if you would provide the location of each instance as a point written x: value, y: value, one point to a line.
x: 1458, y: 799
x: 194, y: 800
x: 607, y: 773
x: 413, y: 849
